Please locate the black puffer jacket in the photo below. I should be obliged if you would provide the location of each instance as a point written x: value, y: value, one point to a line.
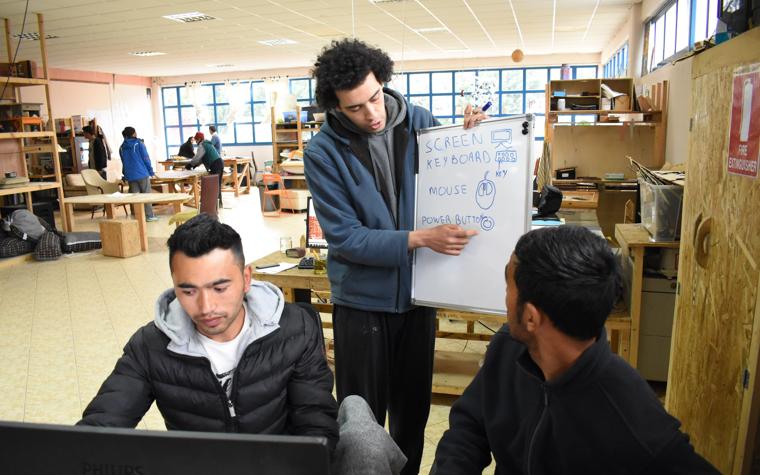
x: 282, y: 384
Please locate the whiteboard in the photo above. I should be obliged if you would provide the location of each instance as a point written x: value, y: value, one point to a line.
x: 478, y: 178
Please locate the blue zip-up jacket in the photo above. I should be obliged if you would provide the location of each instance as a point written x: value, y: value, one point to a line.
x: 135, y: 162
x: 369, y: 264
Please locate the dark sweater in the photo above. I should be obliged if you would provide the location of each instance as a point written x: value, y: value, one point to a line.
x: 600, y: 417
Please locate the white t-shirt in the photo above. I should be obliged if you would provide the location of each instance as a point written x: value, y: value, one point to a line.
x: 224, y: 358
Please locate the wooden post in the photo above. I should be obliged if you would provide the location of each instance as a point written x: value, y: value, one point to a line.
x: 43, y: 52
x: 8, y: 47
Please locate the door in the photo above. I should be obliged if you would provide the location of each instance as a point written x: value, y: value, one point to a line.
x: 715, y: 332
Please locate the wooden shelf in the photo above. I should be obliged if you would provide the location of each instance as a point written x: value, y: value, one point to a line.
x: 605, y: 112
x: 14, y: 81
x: 26, y: 135
x: 29, y: 187
x: 28, y: 163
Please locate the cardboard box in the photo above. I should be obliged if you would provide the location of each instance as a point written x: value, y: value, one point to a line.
x: 294, y: 199
x: 622, y: 103
x: 121, y: 238
x: 22, y: 69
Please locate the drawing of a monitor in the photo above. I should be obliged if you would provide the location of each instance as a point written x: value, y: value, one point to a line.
x: 43, y: 449
x: 314, y: 236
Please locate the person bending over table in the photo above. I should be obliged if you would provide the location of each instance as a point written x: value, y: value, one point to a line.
x: 207, y: 154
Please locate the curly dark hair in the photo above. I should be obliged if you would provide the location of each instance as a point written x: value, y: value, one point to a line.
x: 344, y: 65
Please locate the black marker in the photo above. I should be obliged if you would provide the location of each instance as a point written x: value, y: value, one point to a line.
x: 267, y: 266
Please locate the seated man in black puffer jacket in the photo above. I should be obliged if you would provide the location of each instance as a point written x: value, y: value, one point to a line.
x: 551, y: 398
x: 224, y: 353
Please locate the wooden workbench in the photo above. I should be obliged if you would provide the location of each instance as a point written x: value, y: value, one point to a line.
x: 633, y: 240
x: 452, y: 370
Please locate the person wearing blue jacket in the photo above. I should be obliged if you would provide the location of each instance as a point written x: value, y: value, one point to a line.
x: 360, y: 171
x: 136, y: 167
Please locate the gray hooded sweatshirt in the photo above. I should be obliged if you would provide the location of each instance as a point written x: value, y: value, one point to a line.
x: 381, y: 145
x: 263, y: 302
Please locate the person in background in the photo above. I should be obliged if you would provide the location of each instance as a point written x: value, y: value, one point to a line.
x: 207, y: 154
x: 360, y: 172
x: 186, y: 149
x: 98, y: 152
x: 136, y: 167
x: 215, y: 140
x: 550, y: 396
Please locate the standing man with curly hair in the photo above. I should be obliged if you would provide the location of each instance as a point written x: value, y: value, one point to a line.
x: 360, y: 170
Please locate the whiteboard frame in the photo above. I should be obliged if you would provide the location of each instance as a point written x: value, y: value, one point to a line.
x: 526, y: 225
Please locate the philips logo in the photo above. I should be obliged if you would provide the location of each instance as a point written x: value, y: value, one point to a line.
x: 112, y: 469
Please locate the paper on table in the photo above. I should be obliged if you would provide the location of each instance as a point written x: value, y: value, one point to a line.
x: 279, y: 268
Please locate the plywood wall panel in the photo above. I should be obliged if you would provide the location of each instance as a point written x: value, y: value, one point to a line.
x: 712, y: 330
x: 596, y: 150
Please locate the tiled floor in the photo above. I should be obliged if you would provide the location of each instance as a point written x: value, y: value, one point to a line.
x: 65, y: 322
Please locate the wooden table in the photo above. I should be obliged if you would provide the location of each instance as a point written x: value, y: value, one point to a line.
x: 235, y: 176
x: 633, y: 240
x: 452, y: 370
x: 178, y: 178
x: 111, y: 201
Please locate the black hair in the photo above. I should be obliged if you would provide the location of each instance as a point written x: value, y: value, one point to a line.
x: 128, y: 132
x: 87, y: 130
x: 202, y: 234
x: 344, y: 65
x: 212, y: 128
x: 570, y: 274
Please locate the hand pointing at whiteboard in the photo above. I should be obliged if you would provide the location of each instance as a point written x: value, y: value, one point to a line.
x: 473, y: 116
x: 446, y: 239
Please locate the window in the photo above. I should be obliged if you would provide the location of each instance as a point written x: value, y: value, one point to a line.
x: 516, y: 91
x: 187, y: 110
x: 676, y: 27
x: 617, y: 65
x: 303, y: 89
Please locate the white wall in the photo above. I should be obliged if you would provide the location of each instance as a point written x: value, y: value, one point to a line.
x: 114, y: 106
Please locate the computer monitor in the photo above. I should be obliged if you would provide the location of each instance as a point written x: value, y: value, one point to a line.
x: 43, y: 449
x: 314, y: 236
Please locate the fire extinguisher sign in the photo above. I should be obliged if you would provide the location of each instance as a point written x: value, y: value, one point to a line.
x: 744, y: 135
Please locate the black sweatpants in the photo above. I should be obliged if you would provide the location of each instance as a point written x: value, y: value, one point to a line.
x: 387, y: 358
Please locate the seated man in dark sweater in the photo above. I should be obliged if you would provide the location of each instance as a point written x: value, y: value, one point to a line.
x: 551, y: 398
x: 224, y: 353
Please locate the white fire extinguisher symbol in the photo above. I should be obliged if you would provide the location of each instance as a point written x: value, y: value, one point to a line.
x: 746, y: 110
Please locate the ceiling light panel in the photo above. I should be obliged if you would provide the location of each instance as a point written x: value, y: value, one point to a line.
x: 190, y: 17
x: 278, y: 42
x: 33, y: 36
x: 146, y: 53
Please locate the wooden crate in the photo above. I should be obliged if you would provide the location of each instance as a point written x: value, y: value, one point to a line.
x: 121, y: 238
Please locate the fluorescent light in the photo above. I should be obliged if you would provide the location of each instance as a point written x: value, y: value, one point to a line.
x: 219, y: 65
x: 380, y: 2
x: 434, y: 29
x: 278, y: 42
x: 190, y: 17
x: 146, y: 53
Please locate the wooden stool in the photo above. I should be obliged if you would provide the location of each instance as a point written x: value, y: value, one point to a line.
x: 618, y: 327
x: 121, y: 238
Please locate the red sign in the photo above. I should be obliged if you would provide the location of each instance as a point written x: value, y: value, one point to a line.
x: 744, y: 136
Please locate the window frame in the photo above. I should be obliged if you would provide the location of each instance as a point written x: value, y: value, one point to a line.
x: 651, y: 29
x: 214, y: 106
